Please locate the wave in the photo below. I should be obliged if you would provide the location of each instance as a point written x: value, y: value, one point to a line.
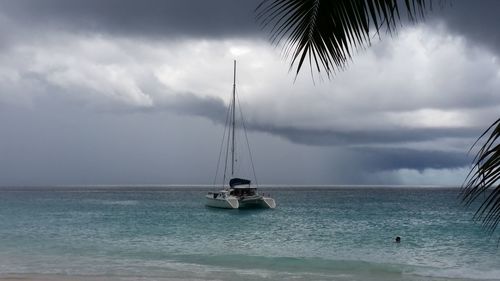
x: 243, y: 267
x: 319, y: 268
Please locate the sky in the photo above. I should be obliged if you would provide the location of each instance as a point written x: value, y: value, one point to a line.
x: 136, y: 92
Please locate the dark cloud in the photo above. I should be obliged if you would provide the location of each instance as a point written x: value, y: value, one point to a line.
x: 386, y: 159
x: 212, y: 108
x: 215, y: 109
x: 478, y: 21
x: 364, y: 137
x: 158, y: 18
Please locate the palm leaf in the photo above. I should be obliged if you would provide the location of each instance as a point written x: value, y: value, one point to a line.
x: 484, y: 178
x: 326, y: 32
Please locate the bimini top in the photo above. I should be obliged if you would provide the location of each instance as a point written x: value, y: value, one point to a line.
x: 237, y: 181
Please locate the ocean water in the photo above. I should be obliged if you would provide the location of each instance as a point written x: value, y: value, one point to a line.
x: 155, y: 233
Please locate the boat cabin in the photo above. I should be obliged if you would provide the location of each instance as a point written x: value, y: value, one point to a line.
x: 241, y: 188
x: 243, y: 191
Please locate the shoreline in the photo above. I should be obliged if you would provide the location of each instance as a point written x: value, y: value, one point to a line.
x: 63, y: 277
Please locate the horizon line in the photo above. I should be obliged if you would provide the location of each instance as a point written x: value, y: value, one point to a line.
x: 217, y: 186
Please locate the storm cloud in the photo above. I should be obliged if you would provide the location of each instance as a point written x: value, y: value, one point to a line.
x: 136, y: 92
x: 149, y: 18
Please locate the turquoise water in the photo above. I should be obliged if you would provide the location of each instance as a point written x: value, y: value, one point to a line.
x: 314, y: 234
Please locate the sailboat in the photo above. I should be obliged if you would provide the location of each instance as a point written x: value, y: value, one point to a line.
x: 239, y: 192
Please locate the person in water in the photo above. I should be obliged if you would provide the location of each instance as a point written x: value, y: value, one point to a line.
x: 398, y: 239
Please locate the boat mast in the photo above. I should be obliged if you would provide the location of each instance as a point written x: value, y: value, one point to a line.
x: 234, y: 115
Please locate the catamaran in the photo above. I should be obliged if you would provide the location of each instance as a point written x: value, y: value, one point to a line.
x: 239, y: 193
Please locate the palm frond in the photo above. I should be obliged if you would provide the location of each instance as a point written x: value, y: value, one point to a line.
x: 326, y: 32
x: 484, y: 178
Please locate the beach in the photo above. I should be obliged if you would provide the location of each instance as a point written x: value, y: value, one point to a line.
x: 315, y: 233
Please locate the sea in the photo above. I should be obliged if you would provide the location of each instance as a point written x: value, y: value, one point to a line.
x: 315, y: 233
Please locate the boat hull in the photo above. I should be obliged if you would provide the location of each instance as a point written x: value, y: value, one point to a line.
x: 269, y: 202
x: 224, y: 203
x: 259, y: 202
